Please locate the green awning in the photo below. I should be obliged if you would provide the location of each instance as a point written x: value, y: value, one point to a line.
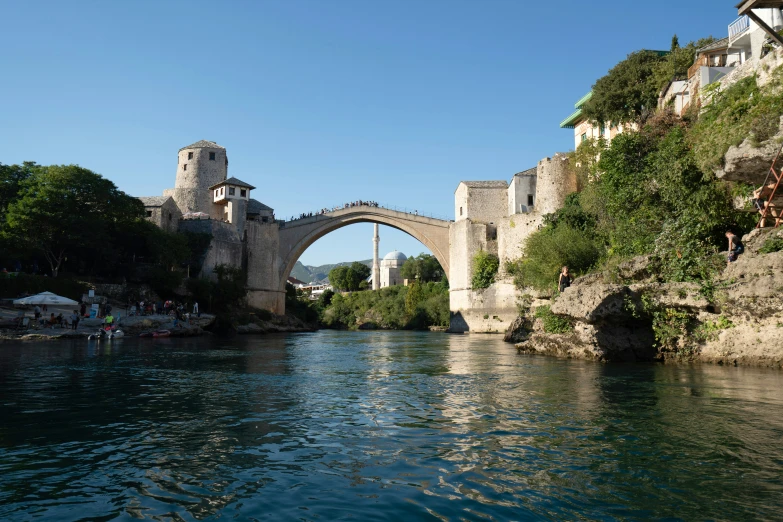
x: 571, y: 121
x: 584, y: 99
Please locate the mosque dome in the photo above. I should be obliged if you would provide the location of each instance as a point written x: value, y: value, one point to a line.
x: 395, y: 256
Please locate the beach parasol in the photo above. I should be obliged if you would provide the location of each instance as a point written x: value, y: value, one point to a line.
x: 45, y: 298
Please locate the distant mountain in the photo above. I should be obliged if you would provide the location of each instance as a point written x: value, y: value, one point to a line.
x: 317, y: 274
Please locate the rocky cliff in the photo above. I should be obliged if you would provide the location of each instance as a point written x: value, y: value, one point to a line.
x: 626, y: 316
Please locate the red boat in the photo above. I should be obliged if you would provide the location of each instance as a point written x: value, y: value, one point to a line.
x: 157, y: 333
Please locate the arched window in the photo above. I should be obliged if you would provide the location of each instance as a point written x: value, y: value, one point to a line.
x: 460, y: 211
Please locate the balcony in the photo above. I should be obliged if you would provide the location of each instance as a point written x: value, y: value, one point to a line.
x: 738, y: 27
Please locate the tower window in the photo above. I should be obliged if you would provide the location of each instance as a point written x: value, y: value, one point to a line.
x: 230, y: 191
x: 149, y: 213
x: 211, y: 156
x: 242, y: 192
x: 185, y: 166
x: 169, y: 216
x: 530, y: 200
x: 190, y: 155
x: 217, y: 192
x: 460, y: 211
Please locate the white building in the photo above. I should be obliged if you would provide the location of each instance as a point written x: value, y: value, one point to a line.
x: 390, y: 269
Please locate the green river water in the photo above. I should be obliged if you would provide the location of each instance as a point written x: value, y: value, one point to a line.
x: 378, y: 426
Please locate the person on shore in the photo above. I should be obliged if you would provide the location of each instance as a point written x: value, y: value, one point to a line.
x: 37, y: 312
x: 52, y: 320
x: 109, y: 321
x: 735, y: 246
x: 195, y: 309
x: 564, y: 280
x: 75, y: 320
x: 83, y: 310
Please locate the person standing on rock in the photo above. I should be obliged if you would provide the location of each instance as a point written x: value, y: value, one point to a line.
x: 735, y: 246
x: 195, y: 309
x: 75, y: 320
x: 565, y: 279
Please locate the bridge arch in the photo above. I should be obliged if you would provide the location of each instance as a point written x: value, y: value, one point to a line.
x: 297, y: 236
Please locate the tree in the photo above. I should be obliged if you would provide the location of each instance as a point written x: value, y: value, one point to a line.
x: 629, y: 93
x: 423, y: 268
x: 337, y: 277
x: 355, y: 275
x: 350, y: 277
x: 62, y: 208
x: 11, y: 179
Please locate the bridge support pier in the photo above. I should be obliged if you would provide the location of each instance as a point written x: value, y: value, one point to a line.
x: 272, y: 300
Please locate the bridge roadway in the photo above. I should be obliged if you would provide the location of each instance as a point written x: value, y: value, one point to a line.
x: 268, y: 273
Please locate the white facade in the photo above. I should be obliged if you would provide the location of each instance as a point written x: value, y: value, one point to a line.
x: 390, y: 269
x: 522, y: 192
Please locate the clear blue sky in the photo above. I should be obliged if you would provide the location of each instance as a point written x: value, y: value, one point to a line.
x: 318, y: 101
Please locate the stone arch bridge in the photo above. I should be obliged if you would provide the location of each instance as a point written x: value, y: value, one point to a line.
x: 274, y: 248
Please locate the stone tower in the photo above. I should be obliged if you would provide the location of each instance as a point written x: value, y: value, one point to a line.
x: 199, y: 166
x: 555, y: 182
x: 376, y: 267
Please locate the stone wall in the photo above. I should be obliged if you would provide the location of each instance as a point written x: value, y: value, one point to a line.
x: 512, y: 233
x: 491, y: 310
x: 481, y: 201
x: 466, y: 239
x: 264, y: 266
x: 226, y: 247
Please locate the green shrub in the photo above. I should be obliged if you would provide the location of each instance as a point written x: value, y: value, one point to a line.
x: 485, y: 268
x: 742, y: 111
x: 553, y: 324
x: 547, y: 251
x: 396, y: 307
x: 772, y: 245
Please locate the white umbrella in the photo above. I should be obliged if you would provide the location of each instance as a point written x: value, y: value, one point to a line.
x: 45, y: 298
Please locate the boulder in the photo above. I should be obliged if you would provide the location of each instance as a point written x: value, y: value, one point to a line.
x: 593, y: 303
x: 517, y: 331
x: 748, y: 163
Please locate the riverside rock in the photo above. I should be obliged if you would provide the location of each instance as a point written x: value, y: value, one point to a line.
x: 749, y: 162
x: 737, y: 320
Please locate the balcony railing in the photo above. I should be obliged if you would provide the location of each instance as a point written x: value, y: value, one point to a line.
x: 738, y: 26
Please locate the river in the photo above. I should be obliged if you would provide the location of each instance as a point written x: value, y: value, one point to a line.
x: 378, y: 426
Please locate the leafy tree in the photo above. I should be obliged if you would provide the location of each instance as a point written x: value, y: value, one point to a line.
x: 628, y: 93
x: 423, y: 268
x: 413, y: 297
x: 338, y: 277
x: 349, y: 278
x: 485, y: 268
x: 62, y: 208
x: 356, y: 274
x: 11, y: 179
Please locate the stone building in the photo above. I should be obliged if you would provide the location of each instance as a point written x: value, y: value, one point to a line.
x: 162, y: 211
x: 390, y: 269
x: 497, y: 217
x: 204, y: 199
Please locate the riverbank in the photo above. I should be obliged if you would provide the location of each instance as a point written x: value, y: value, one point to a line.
x: 134, y: 326
x: 735, y: 319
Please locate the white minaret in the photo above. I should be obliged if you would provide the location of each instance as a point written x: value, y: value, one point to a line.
x: 376, y: 267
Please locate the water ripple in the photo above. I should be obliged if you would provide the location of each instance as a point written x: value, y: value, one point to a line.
x: 378, y: 426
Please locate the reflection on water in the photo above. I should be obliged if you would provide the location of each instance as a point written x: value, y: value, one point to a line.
x: 378, y: 426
